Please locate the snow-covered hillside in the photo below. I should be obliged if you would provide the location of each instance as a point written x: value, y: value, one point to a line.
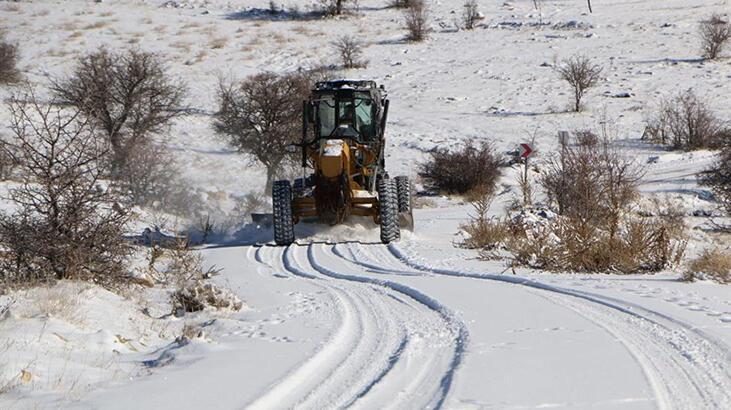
x: 339, y: 320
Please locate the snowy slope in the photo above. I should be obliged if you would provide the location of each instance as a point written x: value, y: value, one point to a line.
x: 340, y: 320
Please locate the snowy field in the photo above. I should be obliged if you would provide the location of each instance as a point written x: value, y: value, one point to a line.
x: 340, y: 320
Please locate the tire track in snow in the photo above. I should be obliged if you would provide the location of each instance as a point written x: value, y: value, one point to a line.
x: 379, y: 327
x: 685, y: 366
x: 304, y: 379
x: 458, y: 329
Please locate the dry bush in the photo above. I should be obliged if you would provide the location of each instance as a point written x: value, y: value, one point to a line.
x: 67, y: 223
x: 129, y: 96
x: 197, y: 296
x: 9, y: 74
x: 401, y: 4
x: 593, y: 184
x: 718, y: 177
x: 174, y: 263
x: 331, y: 7
x: 350, y: 51
x: 181, y: 267
x: 685, y: 122
x: 714, y: 33
x: 712, y: 264
x: 566, y: 244
x: 484, y: 233
x: 470, y: 15
x: 581, y: 74
x: 416, y: 18
x: 592, y: 189
x: 261, y: 115
x: 218, y: 42
x: 461, y: 170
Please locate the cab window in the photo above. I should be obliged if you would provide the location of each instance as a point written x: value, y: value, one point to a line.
x: 326, y: 115
x: 345, y: 113
x: 364, y: 118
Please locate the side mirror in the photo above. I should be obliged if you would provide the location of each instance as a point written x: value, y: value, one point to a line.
x: 291, y: 148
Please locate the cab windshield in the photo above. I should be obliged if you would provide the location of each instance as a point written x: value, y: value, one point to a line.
x: 356, y: 112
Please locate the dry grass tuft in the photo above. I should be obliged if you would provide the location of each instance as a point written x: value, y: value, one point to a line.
x: 713, y: 264
x: 96, y: 25
x: 218, y: 43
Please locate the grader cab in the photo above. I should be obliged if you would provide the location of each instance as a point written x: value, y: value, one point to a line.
x: 342, y: 146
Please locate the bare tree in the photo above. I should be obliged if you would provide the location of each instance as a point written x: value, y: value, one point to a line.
x: 470, y: 15
x: 581, y: 74
x: 8, y: 60
x: 416, y: 17
x: 8, y: 163
x: 715, y: 33
x: 261, y: 115
x: 350, y: 51
x: 68, y: 224
x: 128, y: 95
x: 685, y: 121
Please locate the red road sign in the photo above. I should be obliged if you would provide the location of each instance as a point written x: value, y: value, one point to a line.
x: 525, y: 150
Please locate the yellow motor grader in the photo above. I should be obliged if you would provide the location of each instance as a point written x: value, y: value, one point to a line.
x: 342, y: 146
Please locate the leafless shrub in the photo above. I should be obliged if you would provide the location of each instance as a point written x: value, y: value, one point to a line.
x: 416, y: 18
x: 68, y: 224
x: 461, y: 170
x: 470, y: 15
x: 581, y: 74
x: 685, y: 122
x: 129, y: 97
x: 182, y: 267
x: 176, y: 264
x: 350, y: 51
x: 587, y: 138
x: 563, y: 243
x: 592, y: 188
x: 261, y: 115
x: 484, y: 232
x: 331, y: 7
x: 718, y: 176
x: 591, y: 184
x: 713, y: 264
x: 715, y: 32
x: 8, y: 60
x: 196, y: 296
x: 400, y: 4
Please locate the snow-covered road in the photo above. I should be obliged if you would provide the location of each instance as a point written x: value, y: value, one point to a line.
x: 534, y: 344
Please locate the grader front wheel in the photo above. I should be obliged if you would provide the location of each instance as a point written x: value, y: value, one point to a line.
x: 282, y: 213
x: 388, y: 209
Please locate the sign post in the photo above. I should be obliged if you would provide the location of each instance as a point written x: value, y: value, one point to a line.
x: 525, y: 151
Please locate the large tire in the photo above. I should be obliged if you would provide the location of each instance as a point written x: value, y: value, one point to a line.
x: 282, y: 213
x: 388, y: 210
x: 406, y: 217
